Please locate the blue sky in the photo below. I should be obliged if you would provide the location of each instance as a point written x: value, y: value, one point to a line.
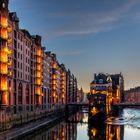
x: 88, y: 36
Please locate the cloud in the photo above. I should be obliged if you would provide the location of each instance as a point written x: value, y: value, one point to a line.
x: 59, y: 18
x: 70, y: 53
x: 88, y: 22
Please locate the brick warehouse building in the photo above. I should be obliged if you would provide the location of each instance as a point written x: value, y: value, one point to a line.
x: 30, y: 77
x: 132, y: 95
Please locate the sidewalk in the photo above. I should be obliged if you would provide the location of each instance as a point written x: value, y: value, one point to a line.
x: 27, y: 128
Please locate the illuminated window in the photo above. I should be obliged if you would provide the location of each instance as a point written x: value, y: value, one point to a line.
x: 3, y: 5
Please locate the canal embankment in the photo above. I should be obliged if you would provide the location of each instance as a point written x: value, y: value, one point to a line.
x: 24, y: 124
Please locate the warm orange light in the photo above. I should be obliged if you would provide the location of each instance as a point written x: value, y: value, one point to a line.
x: 40, y: 100
x: 117, y: 133
x: 54, y: 87
x: 5, y: 98
x: 38, y: 81
x: 3, y: 84
x: 6, y: 50
x: 54, y: 82
x: 38, y: 67
x: 4, y: 22
x: 63, y: 86
x: 9, y: 63
x: 94, y: 132
x: 63, y: 90
x: 63, y: 96
x: 117, y: 92
x: 3, y: 57
x: 10, y: 73
x: 55, y: 137
x: 9, y: 29
x: 62, y: 134
x: 54, y: 76
x: 38, y: 90
x: 63, y: 74
x: 4, y: 34
x: 3, y: 69
x: 38, y: 74
x: 54, y: 65
x: 94, y: 110
x: 54, y: 94
x: 38, y: 59
x: 9, y: 41
x: 38, y: 52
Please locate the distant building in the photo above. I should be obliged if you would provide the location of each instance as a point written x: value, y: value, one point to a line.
x: 105, y: 90
x: 80, y: 95
x: 132, y: 95
x: 109, y: 84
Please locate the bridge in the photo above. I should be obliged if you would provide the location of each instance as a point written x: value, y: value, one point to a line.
x: 127, y: 104
x: 85, y: 104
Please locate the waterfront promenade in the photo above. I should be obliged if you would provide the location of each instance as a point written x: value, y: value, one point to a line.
x: 48, y: 120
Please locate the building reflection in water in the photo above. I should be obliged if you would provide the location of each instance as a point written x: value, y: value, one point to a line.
x: 68, y: 130
x: 106, y: 132
x: 63, y: 131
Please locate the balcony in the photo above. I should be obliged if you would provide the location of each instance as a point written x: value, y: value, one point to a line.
x: 38, y: 81
x: 6, y: 50
x: 3, y: 84
x: 54, y: 76
x: 54, y: 87
x: 38, y: 52
x: 3, y: 33
x: 38, y: 67
x: 63, y: 90
x: 3, y: 69
x: 54, y: 65
x: 38, y: 74
x: 38, y: 91
x: 63, y: 96
x: 3, y: 57
x: 4, y: 22
x: 38, y: 59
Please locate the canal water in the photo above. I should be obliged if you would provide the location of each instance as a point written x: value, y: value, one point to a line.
x: 124, y: 127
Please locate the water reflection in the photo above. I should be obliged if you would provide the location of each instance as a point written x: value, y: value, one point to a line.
x: 77, y: 128
x: 108, y: 132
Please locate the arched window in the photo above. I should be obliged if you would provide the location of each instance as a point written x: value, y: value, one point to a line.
x: 20, y: 93
x: 27, y: 94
